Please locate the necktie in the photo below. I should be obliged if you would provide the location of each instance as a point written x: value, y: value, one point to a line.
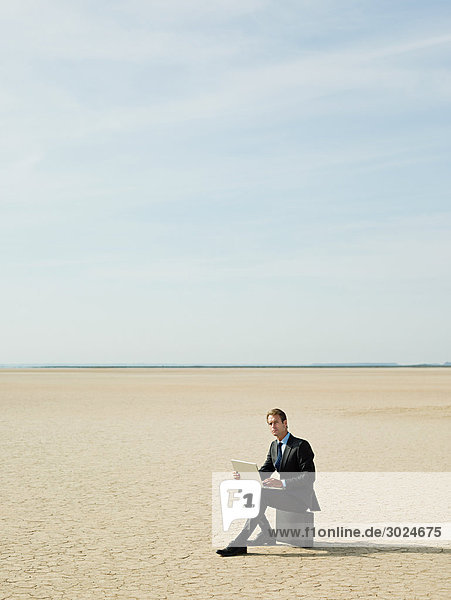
x: 279, y: 456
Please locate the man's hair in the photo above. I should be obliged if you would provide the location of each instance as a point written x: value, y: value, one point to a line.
x: 277, y: 411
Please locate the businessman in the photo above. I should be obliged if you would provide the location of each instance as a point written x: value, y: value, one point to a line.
x: 292, y: 458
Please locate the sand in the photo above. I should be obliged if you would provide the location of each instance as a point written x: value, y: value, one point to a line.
x: 105, y: 478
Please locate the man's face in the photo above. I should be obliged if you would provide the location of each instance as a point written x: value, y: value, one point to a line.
x: 278, y: 427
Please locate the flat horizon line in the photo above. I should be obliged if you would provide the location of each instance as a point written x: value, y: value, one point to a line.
x: 217, y: 365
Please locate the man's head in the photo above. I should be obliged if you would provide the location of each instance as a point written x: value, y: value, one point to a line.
x: 277, y: 421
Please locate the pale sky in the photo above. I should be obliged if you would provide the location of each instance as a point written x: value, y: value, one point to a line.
x: 225, y: 181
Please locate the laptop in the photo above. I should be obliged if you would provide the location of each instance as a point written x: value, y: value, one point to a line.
x: 249, y: 470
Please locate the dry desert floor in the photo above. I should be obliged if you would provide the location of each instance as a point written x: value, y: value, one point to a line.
x: 105, y: 479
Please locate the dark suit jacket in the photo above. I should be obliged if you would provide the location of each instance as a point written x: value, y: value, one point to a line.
x: 297, y: 469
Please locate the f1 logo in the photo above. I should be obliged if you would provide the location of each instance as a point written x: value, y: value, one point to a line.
x: 240, y: 499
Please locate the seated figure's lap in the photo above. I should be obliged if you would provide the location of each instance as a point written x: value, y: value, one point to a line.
x: 282, y: 500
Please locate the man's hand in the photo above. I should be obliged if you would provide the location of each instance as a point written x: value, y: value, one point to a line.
x: 271, y: 482
x: 236, y: 475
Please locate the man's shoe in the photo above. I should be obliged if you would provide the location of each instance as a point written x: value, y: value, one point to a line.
x: 232, y: 551
x: 262, y: 539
